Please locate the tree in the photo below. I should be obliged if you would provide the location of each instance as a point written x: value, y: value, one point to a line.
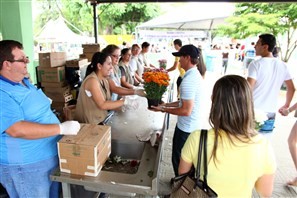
x: 78, y: 13
x: 113, y: 18
x: 49, y: 11
x: 116, y: 18
x: 252, y: 19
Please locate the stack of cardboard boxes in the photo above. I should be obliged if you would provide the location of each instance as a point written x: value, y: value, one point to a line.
x: 51, y: 75
x: 75, y: 72
x: 89, y: 50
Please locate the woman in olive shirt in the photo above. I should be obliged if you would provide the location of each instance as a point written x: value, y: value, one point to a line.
x: 94, y: 99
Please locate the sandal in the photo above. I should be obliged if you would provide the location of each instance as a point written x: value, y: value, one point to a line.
x: 292, y: 182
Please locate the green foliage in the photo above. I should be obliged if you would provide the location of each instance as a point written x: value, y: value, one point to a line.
x: 50, y: 11
x: 125, y: 17
x: 250, y: 24
x: 79, y: 14
x: 154, y: 91
x: 252, y: 19
x: 113, y: 18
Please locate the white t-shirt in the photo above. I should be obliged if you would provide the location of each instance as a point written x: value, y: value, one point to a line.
x: 141, y: 60
x: 134, y: 64
x: 270, y: 74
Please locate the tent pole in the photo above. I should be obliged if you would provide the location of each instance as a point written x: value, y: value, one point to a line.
x: 94, y: 4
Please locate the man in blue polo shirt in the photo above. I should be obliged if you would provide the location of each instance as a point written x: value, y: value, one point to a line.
x: 29, y: 130
x: 188, y: 108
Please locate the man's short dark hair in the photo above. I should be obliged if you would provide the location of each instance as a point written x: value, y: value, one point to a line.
x: 268, y: 39
x: 145, y: 45
x: 6, y: 47
x: 178, y: 42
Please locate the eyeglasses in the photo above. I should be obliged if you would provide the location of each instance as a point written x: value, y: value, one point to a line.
x: 115, y: 56
x: 23, y: 60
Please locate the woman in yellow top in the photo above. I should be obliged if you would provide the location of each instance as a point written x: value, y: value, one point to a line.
x: 239, y: 158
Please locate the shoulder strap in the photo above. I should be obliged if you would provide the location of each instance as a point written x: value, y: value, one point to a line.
x: 205, y: 157
x: 202, y: 147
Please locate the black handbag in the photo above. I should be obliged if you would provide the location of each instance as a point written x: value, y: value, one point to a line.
x: 187, y: 185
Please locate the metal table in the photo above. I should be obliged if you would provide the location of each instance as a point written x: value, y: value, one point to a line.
x: 124, y: 128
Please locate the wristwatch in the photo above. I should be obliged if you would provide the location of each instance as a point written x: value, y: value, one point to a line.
x: 162, y: 109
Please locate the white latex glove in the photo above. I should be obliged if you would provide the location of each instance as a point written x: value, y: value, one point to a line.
x: 139, y: 91
x: 130, y: 103
x: 69, y: 127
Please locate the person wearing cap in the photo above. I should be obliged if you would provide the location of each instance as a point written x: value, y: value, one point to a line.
x: 29, y: 129
x: 188, y: 108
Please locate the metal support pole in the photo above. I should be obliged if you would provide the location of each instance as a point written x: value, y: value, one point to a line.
x: 94, y: 4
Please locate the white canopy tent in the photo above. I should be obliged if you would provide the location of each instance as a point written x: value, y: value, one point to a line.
x: 58, y: 32
x: 192, y: 16
x: 56, y: 36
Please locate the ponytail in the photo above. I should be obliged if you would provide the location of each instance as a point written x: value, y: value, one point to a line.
x: 89, y: 70
x: 199, y: 62
x: 98, y: 57
x: 201, y: 65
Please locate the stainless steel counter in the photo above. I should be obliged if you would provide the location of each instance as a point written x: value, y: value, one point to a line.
x: 124, y: 128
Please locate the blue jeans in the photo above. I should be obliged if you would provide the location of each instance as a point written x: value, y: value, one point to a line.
x: 179, y: 139
x: 31, y: 180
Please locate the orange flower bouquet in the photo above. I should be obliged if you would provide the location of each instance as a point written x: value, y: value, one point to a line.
x: 156, y: 82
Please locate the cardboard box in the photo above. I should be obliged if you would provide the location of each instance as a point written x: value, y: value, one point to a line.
x: 87, y: 55
x: 54, y: 84
x: 76, y: 62
x: 58, y: 94
x: 59, y: 97
x: 47, y: 74
x: 95, y: 47
x: 52, y: 59
x: 86, y: 152
x: 58, y: 106
x: 58, y: 90
x: 69, y: 112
